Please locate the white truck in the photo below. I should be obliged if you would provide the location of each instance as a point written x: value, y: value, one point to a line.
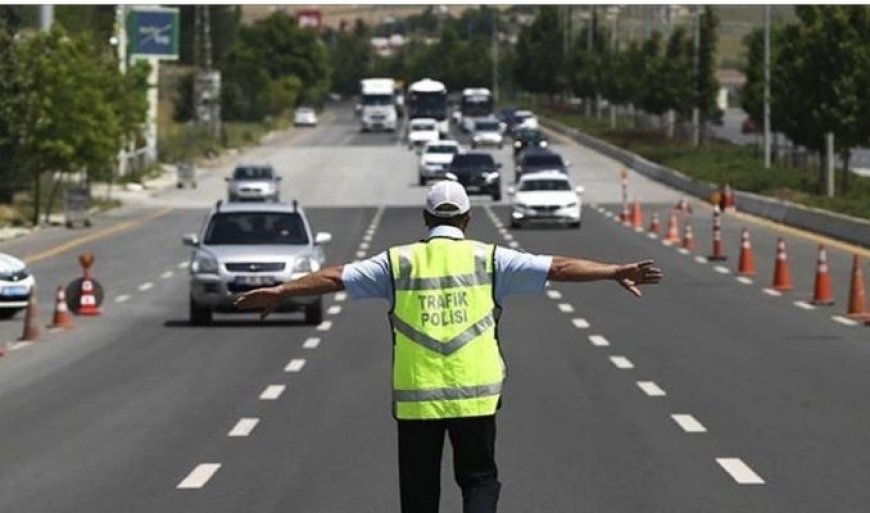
x: 378, y: 104
x: 476, y: 103
x: 427, y: 98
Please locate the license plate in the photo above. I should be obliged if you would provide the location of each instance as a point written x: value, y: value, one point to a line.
x: 15, y: 290
x: 255, y: 280
x: 472, y: 188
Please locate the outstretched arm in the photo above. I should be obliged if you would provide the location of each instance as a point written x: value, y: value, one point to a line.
x: 629, y: 276
x: 268, y: 299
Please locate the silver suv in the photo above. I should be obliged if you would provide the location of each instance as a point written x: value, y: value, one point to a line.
x: 254, y: 182
x: 247, y: 246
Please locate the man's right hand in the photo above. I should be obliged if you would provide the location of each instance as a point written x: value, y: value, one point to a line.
x: 266, y: 300
x: 630, y: 276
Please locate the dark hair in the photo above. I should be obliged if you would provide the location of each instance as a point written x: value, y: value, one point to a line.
x: 459, y: 221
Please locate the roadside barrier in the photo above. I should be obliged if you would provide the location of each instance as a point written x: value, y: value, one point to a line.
x: 718, y: 245
x: 654, y: 223
x: 857, y: 308
x: 822, y: 293
x: 688, y: 238
x: 673, y: 235
x: 781, y: 270
x: 746, y: 265
x: 61, y: 319
x: 31, y: 331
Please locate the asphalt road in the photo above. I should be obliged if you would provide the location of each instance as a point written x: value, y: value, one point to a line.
x: 708, y: 394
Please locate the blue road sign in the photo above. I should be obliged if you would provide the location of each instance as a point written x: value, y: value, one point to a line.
x: 153, y: 32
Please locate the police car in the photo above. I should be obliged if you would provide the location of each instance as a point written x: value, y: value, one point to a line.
x: 16, y: 285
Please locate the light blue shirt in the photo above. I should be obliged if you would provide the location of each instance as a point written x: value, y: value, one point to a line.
x: 516, y: 272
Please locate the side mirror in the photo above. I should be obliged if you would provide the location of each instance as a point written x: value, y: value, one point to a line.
x: 322, y: 238
x: 498, y: 165
x: 511, y: 190
x: 580, y: 189
x: 227, y: 178
x: 279, y: 178
x: 191, y: 239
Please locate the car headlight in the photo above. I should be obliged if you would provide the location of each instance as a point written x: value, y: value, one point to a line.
x: 544, y: 144
x: 491, y: 177
x: 517, y: 144
x: 306, y: 265
x: 204, y: 264
x: 476, y: 137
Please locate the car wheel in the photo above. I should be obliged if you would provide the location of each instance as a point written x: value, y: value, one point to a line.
x: 421, y: 181
x: 8, y: 313
x: 232, y: 198
x: 199, y: 315
x: 516, y: 225
x: 314, y: 313
x: 496, y: 196
x: 574, y: 225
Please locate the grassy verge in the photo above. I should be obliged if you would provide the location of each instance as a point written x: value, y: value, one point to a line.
x: 180, y: 141
x: 722, y: 162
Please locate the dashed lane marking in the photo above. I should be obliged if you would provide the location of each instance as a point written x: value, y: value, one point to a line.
x: 243, y: 427
x: 651, y: 389
x: 360, y: 254
x: 580, y: 323
x: 367, y: 238
x: 651, y: 235
x: 184, y: 265
x: 295, y: 365
x: 311, y: 343
x: 199, y: 476
x: 845, y: 321
x: 340, y: 296
x: 364, y: 245
x: 739, y: 471
x: 804, y: 305
x: 744, y: 280
x: 166, y: 275
x: 621, y: 362
x: 772, y: 292
x: 122, y: 298
x: 688, y: 423
x: 272, y: 392
x: 566, y: 308
x: 334, y: 310
x: 700, y: 259
x: 721, y: 269
x: 599, y: 340
x: 324, y: 326
x: 15, y: 346
x: 508, y: 236
x: 146, y: 286
x: 554, y: 294
x: 513, y: 244
x: 683, y: 251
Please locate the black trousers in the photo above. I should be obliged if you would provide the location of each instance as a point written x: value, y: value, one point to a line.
x: 421, y: 443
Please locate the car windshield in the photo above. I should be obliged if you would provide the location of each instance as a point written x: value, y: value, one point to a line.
x: 545, y: 185
x: 304, y: 110
x: 543, y: 160
x: 530, y: 135
x: 442, y: 148
x: 420, y: 127
x: 521, y: 116
x: 486, y: 126
x: 252, y: 173
x: 472, y: 160
x: 255, y: 228
x: 377, y: 99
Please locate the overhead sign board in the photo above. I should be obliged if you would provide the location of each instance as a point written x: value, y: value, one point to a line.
x: 153, y: 32
x: 309, y: 18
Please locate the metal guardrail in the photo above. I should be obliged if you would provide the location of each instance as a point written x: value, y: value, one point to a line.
x: 838, y: 226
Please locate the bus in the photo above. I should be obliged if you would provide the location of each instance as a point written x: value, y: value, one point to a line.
x: 427, y: 98
x: 476, y: 102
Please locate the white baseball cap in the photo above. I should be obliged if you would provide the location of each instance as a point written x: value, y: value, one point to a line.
x: 447, y: 193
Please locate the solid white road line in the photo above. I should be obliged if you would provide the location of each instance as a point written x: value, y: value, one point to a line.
x: 199, y: 476
x: 845, y: 321
x: 689, y: 423
x: 295, y: 365
x: 146, y: 286
x: 700, y: 259
x: 244, y: 427
x: 566, y: 308
x: 324, y: 326
x: 360, y: 254
x: 166, y: 275
x: 122, y: 298
x: 311, y: 343
x: 744, y: 280
x: 772, y: 292
x: 340, y: 296
x: 599, y: 340
x: 739, y: 471
x: 334, y: 310
x: 804, y: 305
x: 651, y: 389
x: 513, y: 244
x: 721, y: 269
x: 272, y: 392
x: 554, y: 294
x: 580, y: 323
x: 621, y: 362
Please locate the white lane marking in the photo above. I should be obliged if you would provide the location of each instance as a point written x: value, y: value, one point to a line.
x: 334, y: 310
x: 508, y: 236
x: 554, y: 294
x: 651, y: 389
x: 739, y: 471
x: 340, y: 296
x: 513, y: 244
x: 166, y: 275
x: 244, y: 427
x: 502, y: 230
x: 651, y: 235
x: 689, y: 423
x: 721, y: 269
x: 199, y: 476
x: 295, y: 365
x: 324, y: 326
x: 683, y: 251
x: 146, y: 286
x: 15, y: 346
x: 311, y: 343
x: 638, y: 229
x: 744, y: 280
x: 666, y: 243
x: 804, y: 305
x: 845, y: 321
x: 566, y: 308
x: 363, y: 245
x: 772, y: 292
x: 272, y: 392
x: 122, y: 298
x: 621, y: 362
x: 184, y: 265
x: 360, y: 254
x: 367, y: 238
x: 599, y: 340
x: 701, y: 259
x: 580, y: 323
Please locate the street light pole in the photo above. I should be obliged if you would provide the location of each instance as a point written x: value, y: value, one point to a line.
x: 767, y: 86
x: 696, y: 123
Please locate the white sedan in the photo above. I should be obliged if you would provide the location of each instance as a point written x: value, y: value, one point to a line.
x: 546, y: 197
x: 422, y: 131
x: 435, y: 159
x: 305, y: 116
x: 16, y: 285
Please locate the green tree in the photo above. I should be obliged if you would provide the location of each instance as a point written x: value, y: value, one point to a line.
x: 752, y: 95
x: 539, y: 66
x: 708, y: 84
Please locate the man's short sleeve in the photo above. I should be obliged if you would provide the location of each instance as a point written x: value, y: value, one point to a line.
x: 368, y: 278
x: 518, y: 272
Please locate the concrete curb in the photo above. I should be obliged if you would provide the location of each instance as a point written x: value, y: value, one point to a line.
x: 838, y: 226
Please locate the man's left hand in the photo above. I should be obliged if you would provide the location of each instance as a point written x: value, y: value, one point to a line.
x: 631, y: 276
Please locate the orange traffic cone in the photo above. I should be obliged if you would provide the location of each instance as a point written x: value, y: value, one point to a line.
x: 654, y: 223
x: 857, y: 294
x: 718, y: 245
x: 728, y: 204
x: 61, y: 319
x: 781, y: 273
x: 746, y: 265
x: 88, y: 301
x: 31, y: 331
x: 822, y: 293
x: 636, y: 216
x: 673, y: 235
x: 688, y: 238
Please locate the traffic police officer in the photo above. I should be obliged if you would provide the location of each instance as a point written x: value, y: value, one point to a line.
x: 446, y: 295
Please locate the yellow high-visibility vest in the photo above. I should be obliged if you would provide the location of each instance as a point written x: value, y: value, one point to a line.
x: 446, y: 359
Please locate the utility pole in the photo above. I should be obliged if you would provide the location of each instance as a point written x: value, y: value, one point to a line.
x: 46, y: 17
x: 614, y: 27
x: 495, y: 54
x: 207, y: 81
x: 767, y: 86
x: 696, y: 125
x: 589, y: 43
